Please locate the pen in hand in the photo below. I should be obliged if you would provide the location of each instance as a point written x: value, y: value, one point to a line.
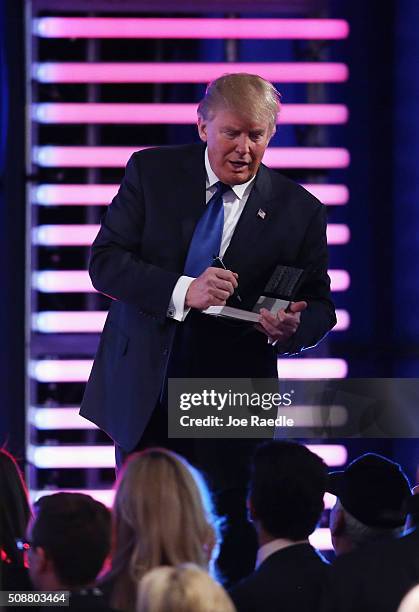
x: 220, y: 264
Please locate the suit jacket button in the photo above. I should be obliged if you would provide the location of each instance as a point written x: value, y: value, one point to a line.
x: 166, y: 351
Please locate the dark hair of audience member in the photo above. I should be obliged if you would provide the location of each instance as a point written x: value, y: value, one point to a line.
x: 15, y: 510
x: 162, y: 516
x: 286, y: 489
x: 75, y: 532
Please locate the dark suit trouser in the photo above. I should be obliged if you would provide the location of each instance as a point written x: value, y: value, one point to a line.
x: 206, y: 347
x: 154, y: 435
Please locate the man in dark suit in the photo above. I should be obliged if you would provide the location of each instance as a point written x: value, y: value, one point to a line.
x: 154, y: 252
x: 70, y: 538
x: 371, y: 502
x: 286, y: 490
x: 374, y: 578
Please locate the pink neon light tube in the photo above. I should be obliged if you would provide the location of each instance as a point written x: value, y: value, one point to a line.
x: 321, y: 539
x: 68, y: 456
x: 190, y: 72
x: 78, y: 370
x: 329, y: 501
x: 113, y: 157
x: 64, y: 235
x: 83, y: 157
x: 306, y: 157
x: 84, y: 195
x: 343, y: 320
x: 181, y: 114
x: 69, y: 321
x: 93, y: 321
x: 72, y: 456
x: 69, y: 418
x: 329, y: 194
x: 307, y: 415
x: 58, y: 418
x: 62, y: 281
x: 111, y: 27
x: 338, y: 233
x: 91, y: 195
x: 60, y: 370
x: 78, y: 281
x: 334, y: 455
x: 340, y: 280
x: 312, y: 369
x: 105, y: 496
x: 83, y: 235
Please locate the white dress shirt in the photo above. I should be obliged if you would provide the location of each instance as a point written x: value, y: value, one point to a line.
x: 273, y: 546
x: 234, y: 201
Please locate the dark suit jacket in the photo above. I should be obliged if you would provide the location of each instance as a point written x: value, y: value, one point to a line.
x: 374, y: 578
x: 139, y: 255
x: 290, y: 580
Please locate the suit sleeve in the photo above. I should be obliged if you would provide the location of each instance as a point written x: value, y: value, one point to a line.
x: 116, y: 267
x: 319, y: 317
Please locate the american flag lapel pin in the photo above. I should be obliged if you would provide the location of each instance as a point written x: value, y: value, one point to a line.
x: 261, y: 213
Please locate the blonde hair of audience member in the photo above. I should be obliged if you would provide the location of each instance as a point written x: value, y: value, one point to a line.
x: 247, y: 95
x: 186, y: 588
x: 410, y: 603
x: 162, y: 516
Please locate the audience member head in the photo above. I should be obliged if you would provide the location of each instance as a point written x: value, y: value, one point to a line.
x: 185, y: 588
x: 14, y: 509
x: 286, y: 490
x: 371, y: 502
x: 70, y: 538
x: 162, y: 516
x: 410, y: 603
x: 236, y: 119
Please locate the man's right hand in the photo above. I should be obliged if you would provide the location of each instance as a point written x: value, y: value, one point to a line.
x: 212, y: 288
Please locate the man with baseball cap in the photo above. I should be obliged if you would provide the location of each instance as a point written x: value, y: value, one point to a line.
x: 373, y: 494
x: 371, y: 502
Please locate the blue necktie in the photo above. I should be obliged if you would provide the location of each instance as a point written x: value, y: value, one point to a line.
x: 206, y: 240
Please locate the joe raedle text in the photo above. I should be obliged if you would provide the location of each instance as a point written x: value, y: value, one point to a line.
x: 234, y: 422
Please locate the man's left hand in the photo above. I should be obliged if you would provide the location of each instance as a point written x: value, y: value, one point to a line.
x: 284, y: 324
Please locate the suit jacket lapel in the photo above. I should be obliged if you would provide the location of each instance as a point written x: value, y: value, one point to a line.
x: 251, y: 225
x: 190, y: 192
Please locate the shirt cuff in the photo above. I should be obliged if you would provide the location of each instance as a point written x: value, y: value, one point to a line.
x: 177, y: 309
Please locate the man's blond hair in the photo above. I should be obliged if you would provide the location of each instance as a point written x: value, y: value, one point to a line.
x: 248, y: 95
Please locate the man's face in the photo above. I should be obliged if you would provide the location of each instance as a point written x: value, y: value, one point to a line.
x: 235, y: 145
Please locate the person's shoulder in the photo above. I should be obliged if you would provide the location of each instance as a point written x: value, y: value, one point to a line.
x: 169, y: 152
x: 384, y: 552
x: 359, y: 560
x: 244, y: 592
x: 317, y: 560
x: 292, y: 572
x: 288, y: 188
